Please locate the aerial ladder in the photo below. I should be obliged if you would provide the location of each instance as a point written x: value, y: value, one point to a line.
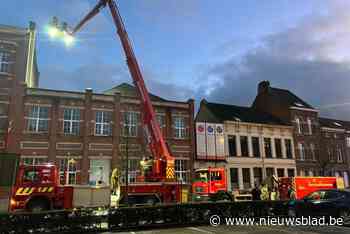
x: 163, y: 172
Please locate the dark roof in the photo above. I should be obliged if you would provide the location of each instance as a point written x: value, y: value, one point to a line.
x: 288, y: 98
x: 334, y: 123
x: 129, y: 90
x: 215, y: 112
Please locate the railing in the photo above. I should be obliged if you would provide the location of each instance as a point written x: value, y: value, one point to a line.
x: 128, y: 218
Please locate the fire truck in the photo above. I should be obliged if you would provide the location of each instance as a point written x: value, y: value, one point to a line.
x: 302, y: 186
x: 37, y: 187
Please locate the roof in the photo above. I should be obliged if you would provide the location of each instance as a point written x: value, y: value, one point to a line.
x: 288, y: 98
x: 129, y: 90
x: 215, y: 112
x: 334, y: 123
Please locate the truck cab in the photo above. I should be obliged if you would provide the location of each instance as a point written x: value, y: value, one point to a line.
x: 36, y: 187
x: 207, y: 182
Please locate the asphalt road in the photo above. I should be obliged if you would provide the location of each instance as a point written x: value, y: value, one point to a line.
x: 247, y: 230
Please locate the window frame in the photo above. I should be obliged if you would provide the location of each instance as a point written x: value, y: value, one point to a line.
x: 71, y: 121
x: 179, y: 127
x: 181, y: 170
x: 68, y: 171
x: 104, y: 122
x: 5, y: 63
x: 130, y: 123
x: 37, y: 119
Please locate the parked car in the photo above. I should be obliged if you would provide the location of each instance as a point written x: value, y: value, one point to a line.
x: 324, y: 202
x: 139, y: 199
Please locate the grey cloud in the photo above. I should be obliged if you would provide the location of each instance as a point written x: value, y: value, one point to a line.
x: 310, y: 59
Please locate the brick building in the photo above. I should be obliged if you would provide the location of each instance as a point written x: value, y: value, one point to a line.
x: 291, y: 109
x: 86, y: 134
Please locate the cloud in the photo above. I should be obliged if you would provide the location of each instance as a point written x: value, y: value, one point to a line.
x: 311, y: 59
x: 101, y: 76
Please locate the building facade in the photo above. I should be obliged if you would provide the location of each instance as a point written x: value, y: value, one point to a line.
x: 85, y: 134
x: 255, y: 145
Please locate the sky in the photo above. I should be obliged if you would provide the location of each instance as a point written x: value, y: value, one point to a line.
x: 217, y: 50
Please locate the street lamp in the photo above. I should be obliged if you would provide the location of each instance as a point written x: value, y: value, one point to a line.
x: 61, y: 32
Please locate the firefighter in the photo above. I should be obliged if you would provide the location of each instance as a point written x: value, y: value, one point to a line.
x: 115, y: 182
x: 264, y: 192
x: 146, y: 166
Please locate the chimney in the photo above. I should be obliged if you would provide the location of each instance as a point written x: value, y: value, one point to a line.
x: 263, y: 87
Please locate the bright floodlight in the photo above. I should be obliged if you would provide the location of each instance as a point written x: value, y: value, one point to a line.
x: 68, y: 39
x: 53, y: 31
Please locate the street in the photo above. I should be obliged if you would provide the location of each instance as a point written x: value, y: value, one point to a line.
x: 248, y: 230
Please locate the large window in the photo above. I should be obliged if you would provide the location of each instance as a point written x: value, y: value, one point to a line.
x: 298, y: 125
x: 313, y: 151
x: 288, y: 145
x: 291, y: 172
x: 130, y: 123
x: 133, y: 170
x: 280, y: 172
x: 181, y: 170
x: 161, y: 120
x: 267, y: 146
x: 234, y: 178
x: 38, y: 120
x: 244, y: 146
x: 99, y: 172
x: 103, y: 123
x: 5, y: 62
x: 301, y: 151
x: 339, y: 154
x: 330, y: 154
x: 232, y: 146
x: 246, y: 178
x: 256, y: 147
x: 68, y: 171
x: 309, y: 125
x: 258, y: 176
x: 278, y: 148
x: 270, y: 171
x: 179, y: 127
x: 71, y: 121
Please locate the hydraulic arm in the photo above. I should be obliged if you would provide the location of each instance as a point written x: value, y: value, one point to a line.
x: 163, y: 167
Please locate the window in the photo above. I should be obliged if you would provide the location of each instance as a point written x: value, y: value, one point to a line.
x: 133, y: 170
x: 68, y: 171
x: 309, y: 125
x: 256, y: 147
x: 267, y: 146
x: 330, y: 154
x: 130, y: 123
x: 38, y: 120
x: 179, y: 127
x: 288, y: 145
x: 246, y: 178
x: 257, y: 175
x: 99, y: 172
x: 280, y: 172
x: 161, y: 120
x: 312, y: 151
x: 5, y: 62
x: 291, y: 172
x: 234, y: 178
x: 33, y: 161
x: 71, y: 121
x: 244, y: 146
x: 339, y: 154
x: 232, y: 146
x: 301, y: 151
x: 348, y: 141
x: 298, y: 126
x: 103, y: 123
x: 181, y: 170
x: 270, y: 171
x: 278, y: 148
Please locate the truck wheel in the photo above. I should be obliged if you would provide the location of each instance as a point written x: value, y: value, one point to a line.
x: 38, y: 205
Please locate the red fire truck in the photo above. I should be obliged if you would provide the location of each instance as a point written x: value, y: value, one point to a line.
x: 303, y: 186
x: 37, y: 188
x: 208, y: 181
